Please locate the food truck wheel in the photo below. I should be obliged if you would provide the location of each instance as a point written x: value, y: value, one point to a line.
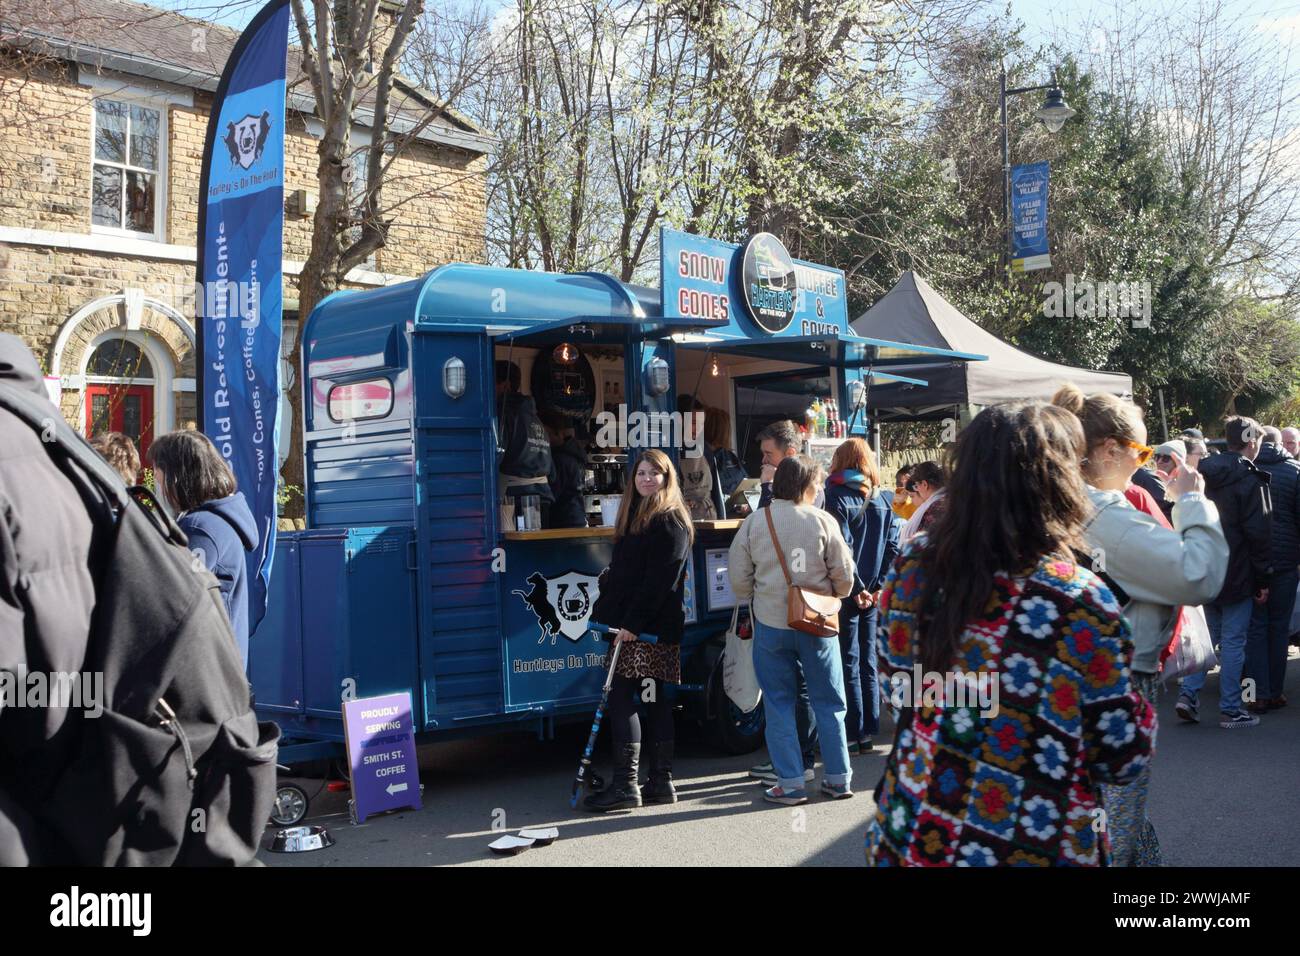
x: 290, y: 805
x: 735, y: 731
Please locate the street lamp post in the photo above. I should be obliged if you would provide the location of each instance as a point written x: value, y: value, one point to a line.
x: 1054, y: 112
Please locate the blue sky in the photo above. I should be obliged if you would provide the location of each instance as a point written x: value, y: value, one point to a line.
x: 1043, y: 17
x: 1047, y: 18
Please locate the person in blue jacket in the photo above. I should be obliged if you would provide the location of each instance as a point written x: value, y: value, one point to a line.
x: 200, y: 487
x: 856, y: 500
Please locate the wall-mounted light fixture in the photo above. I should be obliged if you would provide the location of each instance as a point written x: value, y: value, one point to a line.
x: 453, y: 377
x: 656, y: 376
x: 566, y: 353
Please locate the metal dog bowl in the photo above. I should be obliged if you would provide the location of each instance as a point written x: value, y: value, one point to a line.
x: 301, y: 839
x: 510, y: 845
x: 541, y: 836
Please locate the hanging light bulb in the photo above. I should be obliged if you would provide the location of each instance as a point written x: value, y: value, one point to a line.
x: 566, y: 353
x: 714, y: 369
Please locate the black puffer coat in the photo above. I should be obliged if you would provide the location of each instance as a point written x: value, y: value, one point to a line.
x: 1240, y: 491
x: 1284, y: 491
x: 643, y: 588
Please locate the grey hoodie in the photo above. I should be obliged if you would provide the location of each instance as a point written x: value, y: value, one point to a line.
x: 1158, y: 568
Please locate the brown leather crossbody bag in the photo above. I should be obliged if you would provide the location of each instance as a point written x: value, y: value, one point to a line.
x: 811, y: 612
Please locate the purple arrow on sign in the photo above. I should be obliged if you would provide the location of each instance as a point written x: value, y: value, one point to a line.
x: 381, y: 750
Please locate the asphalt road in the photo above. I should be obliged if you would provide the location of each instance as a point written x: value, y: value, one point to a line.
x: 1218, y: 798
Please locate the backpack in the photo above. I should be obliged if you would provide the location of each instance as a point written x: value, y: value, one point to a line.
x: 177, y: 770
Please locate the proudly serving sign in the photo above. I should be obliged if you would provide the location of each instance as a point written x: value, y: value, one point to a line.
x: 758, y: 288
x: 381, y: 752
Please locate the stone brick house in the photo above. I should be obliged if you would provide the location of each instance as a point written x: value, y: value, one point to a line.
x: 103, y: 110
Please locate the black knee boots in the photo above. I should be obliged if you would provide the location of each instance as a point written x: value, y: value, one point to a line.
x: 622, y: 792
x: 659, y: 783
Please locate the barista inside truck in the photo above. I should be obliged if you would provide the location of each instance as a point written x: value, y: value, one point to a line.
x: 568, y: 464
x: 701, y: 485
x: 524, y: 453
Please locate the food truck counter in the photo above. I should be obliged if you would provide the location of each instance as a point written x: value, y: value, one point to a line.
x: 554, y: 534
x: 551, y: 534
x: 725, y: 524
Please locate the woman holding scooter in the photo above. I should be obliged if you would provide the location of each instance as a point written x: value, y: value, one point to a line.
x: 642, y: 591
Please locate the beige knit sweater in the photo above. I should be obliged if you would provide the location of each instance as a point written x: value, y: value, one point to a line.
x: 814, y: 549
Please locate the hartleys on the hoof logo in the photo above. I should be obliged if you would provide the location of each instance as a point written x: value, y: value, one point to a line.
x: 769, y: 283
x: 246, y: 139
x: 562, y: 603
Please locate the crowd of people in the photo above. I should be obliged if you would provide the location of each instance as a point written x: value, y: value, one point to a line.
x: 1054, y: 550
x: 1043, y: 554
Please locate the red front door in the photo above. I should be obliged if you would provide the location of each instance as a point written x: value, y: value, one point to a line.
x: 121, y: 408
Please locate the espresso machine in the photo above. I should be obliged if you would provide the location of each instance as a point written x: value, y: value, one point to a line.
x: 607, y: 480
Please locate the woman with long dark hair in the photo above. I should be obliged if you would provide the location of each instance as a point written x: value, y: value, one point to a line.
x: 855, y: 499
x: 641, y: 593
x: 1026, y: 698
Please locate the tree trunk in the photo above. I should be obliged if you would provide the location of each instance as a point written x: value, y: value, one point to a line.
x: 320, y: 276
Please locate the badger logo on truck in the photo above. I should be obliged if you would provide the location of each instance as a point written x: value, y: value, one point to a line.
x: 561, y: 603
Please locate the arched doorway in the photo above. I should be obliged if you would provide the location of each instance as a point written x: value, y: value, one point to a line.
x: 120, y: 392
x: 126, y: 363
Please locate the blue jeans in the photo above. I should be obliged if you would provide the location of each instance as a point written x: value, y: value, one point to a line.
x: 778, y: 653
x: 1270, y: 625
x: 805, y: 722
x: 861, y: 687
x: 1229, y: 625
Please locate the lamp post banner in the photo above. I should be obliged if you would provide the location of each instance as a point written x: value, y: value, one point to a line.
x: 240, y: 294
x: 1029, y: 218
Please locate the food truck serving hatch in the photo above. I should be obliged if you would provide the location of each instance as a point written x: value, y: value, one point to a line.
x: 830, y: 351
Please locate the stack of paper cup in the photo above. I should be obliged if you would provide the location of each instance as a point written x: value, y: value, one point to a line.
x: 609, y: 506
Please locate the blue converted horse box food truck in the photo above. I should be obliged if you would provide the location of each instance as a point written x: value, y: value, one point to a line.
x: 407, y: 577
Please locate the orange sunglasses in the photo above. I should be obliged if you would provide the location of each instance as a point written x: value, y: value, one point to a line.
x: 1144, y: 451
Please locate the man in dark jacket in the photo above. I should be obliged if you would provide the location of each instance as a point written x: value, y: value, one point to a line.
x: 47, y: 591
x: 524, y: 459
x: 779, y: 441
x: 1240, y: 491
x: 568, y: 465
x: 1270, y: 624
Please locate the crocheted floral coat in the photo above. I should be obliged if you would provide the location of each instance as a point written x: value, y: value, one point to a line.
x: 1015, y: 786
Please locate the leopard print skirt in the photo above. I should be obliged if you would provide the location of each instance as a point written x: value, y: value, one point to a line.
x: 663, y: 662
